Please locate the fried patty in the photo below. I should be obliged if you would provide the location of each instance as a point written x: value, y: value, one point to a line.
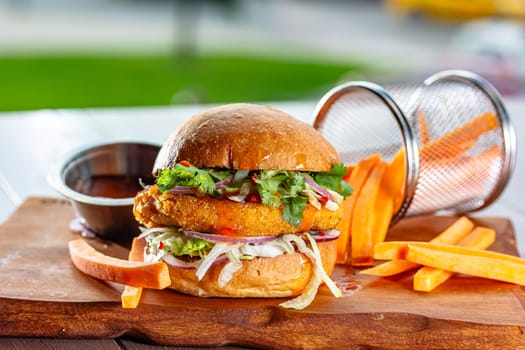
x: 222, y: 216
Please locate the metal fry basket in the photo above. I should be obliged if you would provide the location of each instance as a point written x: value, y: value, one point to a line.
x: 458, y: 142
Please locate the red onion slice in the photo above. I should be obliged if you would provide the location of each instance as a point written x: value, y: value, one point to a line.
x: 325, y: 236
x: 228, y: 239
x: 322, y: 191
x: 183, y: 190
x: 223, y: 183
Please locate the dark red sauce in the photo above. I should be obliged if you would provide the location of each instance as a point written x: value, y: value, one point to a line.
x: 112, y: 186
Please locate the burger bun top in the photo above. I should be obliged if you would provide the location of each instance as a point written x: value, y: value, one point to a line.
x: 247, y: 137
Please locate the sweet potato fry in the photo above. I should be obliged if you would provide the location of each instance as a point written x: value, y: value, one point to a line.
x: 460, y: 139
x: 392, y: 250
x: 130, y: 296
x: 390, y: 190
x: 357, y: 178
x: 453, y: 234
x: 469, y: 261
x: 136, y: 274
x: 364, y: 216
x: 397, y: 250
x: 390, y: 268
x: 383, y: 211
x: 480, y: 238
x: 396, y: 172
x: 424, y: 132
x: 428, y: 278
x: 463, y: 172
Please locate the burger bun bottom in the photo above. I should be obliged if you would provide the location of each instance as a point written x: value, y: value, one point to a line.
x: 282, y: 276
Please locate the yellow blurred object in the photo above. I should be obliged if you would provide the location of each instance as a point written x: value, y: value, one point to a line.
x: 458, y: 10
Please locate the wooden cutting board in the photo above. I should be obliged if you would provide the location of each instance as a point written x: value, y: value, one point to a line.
x: 42, y: 294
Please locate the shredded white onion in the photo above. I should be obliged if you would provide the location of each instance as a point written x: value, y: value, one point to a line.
x: 331, y: 205
x: 313, y: 198
x: 217, y: 250
x: 308, y: 295
x: 318, y: 274
x: 326, y: 279
x: 227, y: 272
x: 243, y: 192
x: 336, y: 197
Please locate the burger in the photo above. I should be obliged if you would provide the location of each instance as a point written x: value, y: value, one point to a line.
x: 244, y: 204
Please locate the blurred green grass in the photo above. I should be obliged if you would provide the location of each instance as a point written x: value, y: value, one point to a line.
x: 90, y: 81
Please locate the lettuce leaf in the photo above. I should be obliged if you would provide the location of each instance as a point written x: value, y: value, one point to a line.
x: 189, y: 246
x: 178, y: 244
x: 181, y: 175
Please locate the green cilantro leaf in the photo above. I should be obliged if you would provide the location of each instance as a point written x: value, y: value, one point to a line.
x: 339, y: 170
x: 333, y: 180
x: 293, y: 210
x: 220, y: 175
x: 295, y: 185
x: 269, y: 183
x: 283, y: 187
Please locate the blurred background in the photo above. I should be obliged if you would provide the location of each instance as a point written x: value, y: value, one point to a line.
x: 105, y: 53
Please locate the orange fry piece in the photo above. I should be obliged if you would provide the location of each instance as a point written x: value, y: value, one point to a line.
x: 357, y: 178
x: 396, y: 183
x: 390, y: 191
x: 104, y: 267
x: 461, y: 174
x: 364, y: 216
x: 469, y: 261
x: 428, y: 278
x: 383, y: 211
x: 396, y: 250
x: 424, y: 131
x: 390, y: 268
x: 455, y: 232
x: 460, y: 139
x: 130, y: 296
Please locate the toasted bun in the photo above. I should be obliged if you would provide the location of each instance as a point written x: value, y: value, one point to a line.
x: 248, y: 137
x: 282, y: 276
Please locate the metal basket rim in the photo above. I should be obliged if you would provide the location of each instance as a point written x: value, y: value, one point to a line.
x: 407, y: 133
x: 508, y: 132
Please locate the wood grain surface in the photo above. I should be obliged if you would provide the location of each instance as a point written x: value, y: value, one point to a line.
x: 43, y: 295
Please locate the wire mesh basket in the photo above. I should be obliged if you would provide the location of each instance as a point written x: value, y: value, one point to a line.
x: 458, y: 142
